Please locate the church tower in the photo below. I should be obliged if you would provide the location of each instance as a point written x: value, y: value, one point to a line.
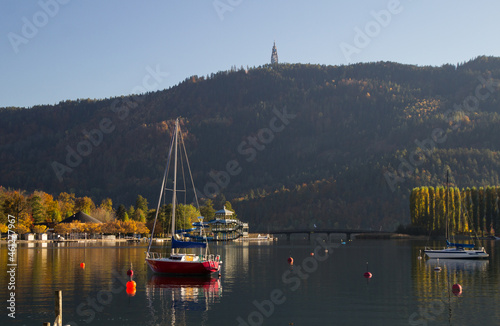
x: 274, y: 55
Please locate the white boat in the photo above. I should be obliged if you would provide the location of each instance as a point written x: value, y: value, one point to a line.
x: 455, y: 250
x: 456, y: 253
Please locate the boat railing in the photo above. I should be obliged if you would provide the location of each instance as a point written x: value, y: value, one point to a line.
x: 154, y: 255
x: 210, y: 257
x: 159, y: 255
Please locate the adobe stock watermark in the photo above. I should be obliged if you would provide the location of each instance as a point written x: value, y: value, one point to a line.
x: 372, y: 29
x: 223, y: 6
x: 11, y: 266
x: 249, y: 148
x: 31, y: 26
x: 426, y: 147
x: 291, y: 278
x: 95, y: 137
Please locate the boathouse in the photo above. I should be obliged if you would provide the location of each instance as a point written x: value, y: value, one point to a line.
x: 224, y: 227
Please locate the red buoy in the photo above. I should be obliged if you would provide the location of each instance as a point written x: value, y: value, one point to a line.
x: 130, y: 272
x: 82, y: 265
x: 290, y: 260
x: 456, y: 289
x: 312, y: 253
x: 367, y: 274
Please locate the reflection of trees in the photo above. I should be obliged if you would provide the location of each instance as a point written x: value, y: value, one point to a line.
x: 40, y: 270
x: 433, y: 289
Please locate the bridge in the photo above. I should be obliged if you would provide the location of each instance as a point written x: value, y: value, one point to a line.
x: 328, y: 232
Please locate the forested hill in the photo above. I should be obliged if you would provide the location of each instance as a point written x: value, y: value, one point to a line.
x: 291, y: 145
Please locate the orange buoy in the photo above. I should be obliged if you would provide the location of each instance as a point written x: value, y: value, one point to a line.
x: 131, y: 290
x: 131, y: 285
x: 82, y: 265
x: 456, y: 289
x: 312, y: 253
x: 290, y: 260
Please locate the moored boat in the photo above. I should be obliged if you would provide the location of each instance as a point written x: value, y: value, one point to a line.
x: 455, y: 250
x: 180, y: 263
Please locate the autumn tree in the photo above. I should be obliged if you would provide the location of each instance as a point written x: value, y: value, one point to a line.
x: 66, y: 204
x: 84, y: 204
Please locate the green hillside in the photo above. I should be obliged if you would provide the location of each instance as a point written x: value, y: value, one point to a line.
x: 291, y: 145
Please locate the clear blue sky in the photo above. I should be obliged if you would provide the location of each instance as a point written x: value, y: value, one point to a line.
x: 105, y: 48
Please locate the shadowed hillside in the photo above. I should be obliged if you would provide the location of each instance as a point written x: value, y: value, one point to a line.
x: 290, y: 145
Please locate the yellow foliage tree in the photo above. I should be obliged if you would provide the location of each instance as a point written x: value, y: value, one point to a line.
x: 22, y: 229
x: 39, y: 228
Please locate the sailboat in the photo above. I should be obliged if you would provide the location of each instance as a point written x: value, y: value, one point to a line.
x: 455, y: 250
x: 179, y: 263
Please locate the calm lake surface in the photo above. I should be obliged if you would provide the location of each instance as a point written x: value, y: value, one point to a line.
x: 257, y: 286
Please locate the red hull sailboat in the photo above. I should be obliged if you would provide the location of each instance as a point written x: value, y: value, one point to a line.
x: 184, y: 264
x: 180, y: 263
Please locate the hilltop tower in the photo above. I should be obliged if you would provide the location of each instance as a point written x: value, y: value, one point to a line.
x: 274, y: 55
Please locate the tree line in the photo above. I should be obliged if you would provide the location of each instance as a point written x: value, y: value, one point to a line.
x: 34, y: 212
x: 467, y: 210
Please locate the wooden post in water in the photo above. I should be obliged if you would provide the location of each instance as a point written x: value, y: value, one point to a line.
x: 58, y: 308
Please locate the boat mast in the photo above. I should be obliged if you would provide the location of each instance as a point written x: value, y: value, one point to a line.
x: 446, y: 213
x: 174, y: 199
x: 165, y: 176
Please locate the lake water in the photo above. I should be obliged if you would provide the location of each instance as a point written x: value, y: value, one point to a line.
x: 257, y: 286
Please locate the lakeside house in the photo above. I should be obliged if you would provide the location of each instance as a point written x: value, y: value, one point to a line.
x: 222, y: 228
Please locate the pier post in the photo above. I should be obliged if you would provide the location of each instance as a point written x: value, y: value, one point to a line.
x: 58, y: 308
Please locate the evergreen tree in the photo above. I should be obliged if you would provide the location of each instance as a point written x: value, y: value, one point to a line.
x: 121, y: 212
x: 141, y: 203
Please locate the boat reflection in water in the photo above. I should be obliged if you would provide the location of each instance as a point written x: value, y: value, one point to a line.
x: 459, y: 265
x: 171, y: 296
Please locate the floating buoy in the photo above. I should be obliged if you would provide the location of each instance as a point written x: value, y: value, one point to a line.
x: 131, y: 285
x: 456, y: 289
x: 82, y: 265
x: 290, y: 260
x: 437, y: 268
x: 367, y: 274
x: 131, y: 288
x: 130, y: 273
x: 312, y: 253
x: 419, y: 254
